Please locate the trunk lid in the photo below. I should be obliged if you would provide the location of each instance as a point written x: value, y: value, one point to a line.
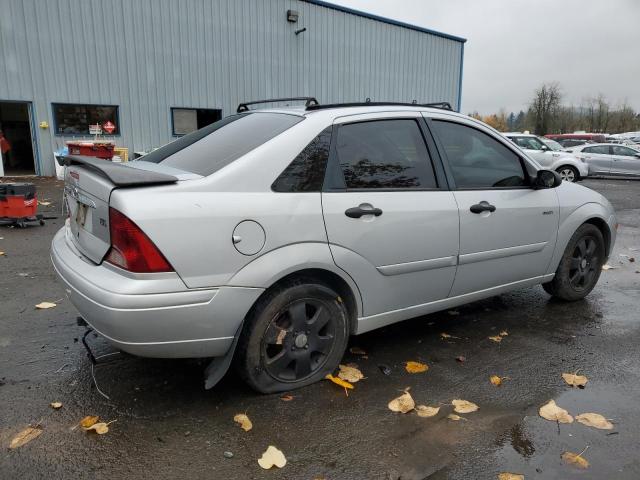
x: 87, y: 189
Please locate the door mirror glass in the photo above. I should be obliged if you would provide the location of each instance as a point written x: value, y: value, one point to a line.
x: 547, y: 179
x: 544, y: 148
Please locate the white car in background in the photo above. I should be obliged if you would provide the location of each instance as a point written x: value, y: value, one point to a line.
x: 609, y: 159
x: 570, y: 168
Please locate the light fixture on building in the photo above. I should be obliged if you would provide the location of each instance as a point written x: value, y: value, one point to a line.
x: 292, y: 16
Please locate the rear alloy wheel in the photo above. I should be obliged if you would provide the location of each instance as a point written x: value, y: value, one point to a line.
x: 568, y: 173
x: 580, y: 266
x: 293, y: 337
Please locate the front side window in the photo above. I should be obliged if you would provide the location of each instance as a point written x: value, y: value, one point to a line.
x: 478, y: 160
x: 74, y: 119
x: 384, y: 154
x: 306, y: 172
x: 528, y: 143
x: 624, y: 151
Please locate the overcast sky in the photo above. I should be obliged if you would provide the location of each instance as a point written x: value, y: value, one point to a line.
x: 513, y: 46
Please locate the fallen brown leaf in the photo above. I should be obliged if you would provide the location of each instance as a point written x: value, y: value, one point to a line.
x: 496, y: 338
x: 55, y: 405
x: 100, y: 428
x: 551, y: 411
x: 454, y: 417
x: 89, y: 420
x: 350, y: 373
x: 272, y: 457
x: 243, y: 420
x: 463, y: 406
x: 446, y: 335
x: 575, y: 380
x: 415, y: 367
x: 575, y: 459
x: 286, y: 398
x: 403, y: 404
x: 495, y: 380
x: 339, y: 381
x: 503, y: 333
x: 426, y: 411
x: 594, y: 420
x: 25, y: 436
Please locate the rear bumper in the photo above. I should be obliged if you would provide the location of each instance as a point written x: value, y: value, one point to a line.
x: 153, y: 315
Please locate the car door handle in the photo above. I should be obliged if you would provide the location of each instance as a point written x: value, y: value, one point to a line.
x: 357, y: 212
x: 482, y: 207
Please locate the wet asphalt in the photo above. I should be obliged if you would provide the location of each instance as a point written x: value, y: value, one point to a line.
x: 167, y: 426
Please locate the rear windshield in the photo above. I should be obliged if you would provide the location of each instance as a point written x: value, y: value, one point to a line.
x: 211, y: 148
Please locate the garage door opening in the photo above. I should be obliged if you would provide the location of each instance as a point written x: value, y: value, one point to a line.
x: 16, y: 143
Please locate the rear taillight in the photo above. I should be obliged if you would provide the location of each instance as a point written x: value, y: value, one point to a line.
x: 131, y: 249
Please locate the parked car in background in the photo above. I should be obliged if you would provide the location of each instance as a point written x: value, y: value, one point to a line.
x: 570, y: 168
x: 572, y: 139
x: 273, y: 235
x: 609, y: 159
x: 552, y: 144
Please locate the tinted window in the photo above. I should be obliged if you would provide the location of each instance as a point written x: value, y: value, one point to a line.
x: 74, y: 119
x: 627, y: 152
x: 528, y: 143
x: 476, y: 159
x: 600, y: 149
x: 384, y: 154
x: 209, y: 149
x: 306, y: 172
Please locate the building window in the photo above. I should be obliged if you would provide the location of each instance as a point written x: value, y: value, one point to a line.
x: 187, y: 120
x: 74, y: 119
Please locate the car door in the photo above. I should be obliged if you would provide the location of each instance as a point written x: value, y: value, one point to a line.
x: 598, y: 157
x: 625, y: 160
x: 508, y: 229
x: 391, y: 221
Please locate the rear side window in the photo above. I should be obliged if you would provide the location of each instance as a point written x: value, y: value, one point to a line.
x: 624, y: 151
x: 306, y: 172
x: 478, y: 160
x: 215, y: 146
x: 600, y: 149
x: 384, y: 154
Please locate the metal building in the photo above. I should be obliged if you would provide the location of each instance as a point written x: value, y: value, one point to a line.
x: 157, y: 69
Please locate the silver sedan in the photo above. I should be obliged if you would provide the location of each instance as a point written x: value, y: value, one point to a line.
x: 609, y: 159
x: 273, y: 235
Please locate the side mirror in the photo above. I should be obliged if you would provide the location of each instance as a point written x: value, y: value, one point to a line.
x: 544, y: 148
x: 547, y: 179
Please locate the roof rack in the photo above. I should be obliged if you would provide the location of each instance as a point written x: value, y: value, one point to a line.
x: 441, y: 105
x: 308, y: 102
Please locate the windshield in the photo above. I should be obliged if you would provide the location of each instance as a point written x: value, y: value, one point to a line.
x: 552, y: 144
x: 528, y: 143
x: 215, y: 146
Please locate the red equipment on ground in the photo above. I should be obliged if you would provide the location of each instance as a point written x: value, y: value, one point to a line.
x: 19, y: 204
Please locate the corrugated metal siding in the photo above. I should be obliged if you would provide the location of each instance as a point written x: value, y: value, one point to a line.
x: 149, y: 55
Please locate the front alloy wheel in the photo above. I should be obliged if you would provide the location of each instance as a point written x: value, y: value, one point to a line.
x: 293, y: 336
x: 568, y: 174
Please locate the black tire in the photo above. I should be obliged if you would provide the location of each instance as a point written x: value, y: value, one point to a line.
x: 293, y: 337
x: 568, y: 173
x: 580, y: 266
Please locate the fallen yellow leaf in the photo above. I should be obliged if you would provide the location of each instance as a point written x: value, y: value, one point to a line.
x: 496, y: 339
x: 553, y: 412
x: 56, y: 405
x: 403, y: 404
x: 594, y: 420
x: 510, y: 476
x: 339, y: 381
x: 89, y: 420
x: 575, y: 380
x: 286, y: 398
x: 446, y: 335
x: 350, y: 373
x: 25, y: 436
x: 454, y: 417
x: 575, y: 459
x: 100, y: 428
x: 495, y: 380
x: 415, y: 367
x: 243, y: 420
x: 427, y: 411
x: 606, y: 266
x: 45, y: 305
x: 463, y: 406
x: 272, y: 457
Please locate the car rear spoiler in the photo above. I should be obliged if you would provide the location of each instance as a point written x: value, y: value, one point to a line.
x: 121, y: 175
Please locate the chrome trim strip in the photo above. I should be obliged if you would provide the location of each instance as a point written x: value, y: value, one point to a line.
x: 500, y: 253
x: 400, y: 268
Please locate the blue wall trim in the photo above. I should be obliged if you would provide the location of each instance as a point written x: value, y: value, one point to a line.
x: 390, y: 21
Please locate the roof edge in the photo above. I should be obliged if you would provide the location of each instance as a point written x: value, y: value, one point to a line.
x: 371, y: 16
